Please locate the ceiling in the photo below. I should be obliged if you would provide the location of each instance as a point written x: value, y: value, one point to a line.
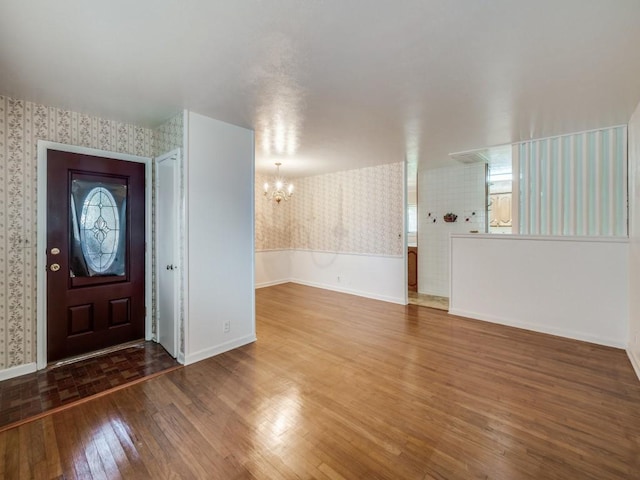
x: 334, y: 84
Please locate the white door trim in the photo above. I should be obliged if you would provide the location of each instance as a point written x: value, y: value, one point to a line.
x: 173, y: 155
x: 41, y: 243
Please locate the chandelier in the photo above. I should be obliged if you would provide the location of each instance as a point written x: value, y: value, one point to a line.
x: 278, y: 190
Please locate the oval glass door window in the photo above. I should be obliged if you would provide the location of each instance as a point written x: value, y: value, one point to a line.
x: 99, y: 230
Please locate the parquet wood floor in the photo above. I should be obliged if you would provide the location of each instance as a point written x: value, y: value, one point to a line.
x: 338, y: 387
x: 35, y: 394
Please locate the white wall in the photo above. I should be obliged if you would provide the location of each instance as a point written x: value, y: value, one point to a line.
x: 273, y: 267
x: 220, y: 237
x: 633, y: 348
x: 573, y: 287
x: 373, y: 276
x: 458, y: 189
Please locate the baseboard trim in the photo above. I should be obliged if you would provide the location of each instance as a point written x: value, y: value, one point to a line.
x: 635, y: 362
x: 272, y: 283
x: 218, y: 349
x: 16, y: 371
x: 384, y: 298
x: 558, y: 332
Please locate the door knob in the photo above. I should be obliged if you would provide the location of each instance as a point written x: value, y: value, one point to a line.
x: 55, y: 251
x: 55, y: 267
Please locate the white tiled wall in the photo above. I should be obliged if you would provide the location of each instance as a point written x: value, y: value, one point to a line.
x: 459, y: 189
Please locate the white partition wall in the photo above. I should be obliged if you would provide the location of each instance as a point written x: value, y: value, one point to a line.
x: 381, y: 277
x: 219, y: 167
x: 633, y: 347
x: 574, y: 287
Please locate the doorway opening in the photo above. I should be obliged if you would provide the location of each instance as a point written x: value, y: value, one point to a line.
x: 500, y: 190
x: 411, y: 229
x: 412, y: 240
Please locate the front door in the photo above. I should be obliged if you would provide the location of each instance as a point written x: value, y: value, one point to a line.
x: 95, y: 253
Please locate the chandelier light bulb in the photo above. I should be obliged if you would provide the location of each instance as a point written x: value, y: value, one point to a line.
x: 281, y: 189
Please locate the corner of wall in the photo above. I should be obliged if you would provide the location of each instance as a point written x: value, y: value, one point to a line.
x: 330, y: 235
x: 635, y: 361
x: 17, y: 371
x: 217, y: 350
x: 633, y: 132
x: 26, y: 123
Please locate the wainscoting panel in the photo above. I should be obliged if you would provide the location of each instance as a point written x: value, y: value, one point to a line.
x: 566, y: 286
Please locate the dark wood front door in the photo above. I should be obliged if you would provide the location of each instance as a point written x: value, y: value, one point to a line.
x: 95, y: 253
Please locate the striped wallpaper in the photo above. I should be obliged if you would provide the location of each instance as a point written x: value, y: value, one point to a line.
x: 574, y: 184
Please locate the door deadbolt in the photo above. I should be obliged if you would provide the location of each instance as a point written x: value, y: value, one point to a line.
x: 55, y: 251
x: 55, y: 267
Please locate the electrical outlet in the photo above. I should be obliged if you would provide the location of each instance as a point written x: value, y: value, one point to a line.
x: 227, y: 326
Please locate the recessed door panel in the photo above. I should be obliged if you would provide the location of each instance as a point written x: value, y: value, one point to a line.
x: 80, y: 320
x: 119, y: 312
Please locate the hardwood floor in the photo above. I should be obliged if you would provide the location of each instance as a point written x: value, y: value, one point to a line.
x: 57, y: 387
x: 339, y: 386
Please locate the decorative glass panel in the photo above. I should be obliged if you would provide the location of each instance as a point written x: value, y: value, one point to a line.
x: 98, y: 228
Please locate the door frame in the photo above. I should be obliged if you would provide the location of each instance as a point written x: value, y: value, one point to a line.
x: 173, y: 155
x: 41, y: 243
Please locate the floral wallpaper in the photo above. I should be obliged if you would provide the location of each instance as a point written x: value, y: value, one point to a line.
x: 22, y: 124
x: 273, y: 221
x: 353, y: 211
x: 169, y: 135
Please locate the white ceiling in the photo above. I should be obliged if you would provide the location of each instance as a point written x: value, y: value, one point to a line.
x: 334, y: 84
